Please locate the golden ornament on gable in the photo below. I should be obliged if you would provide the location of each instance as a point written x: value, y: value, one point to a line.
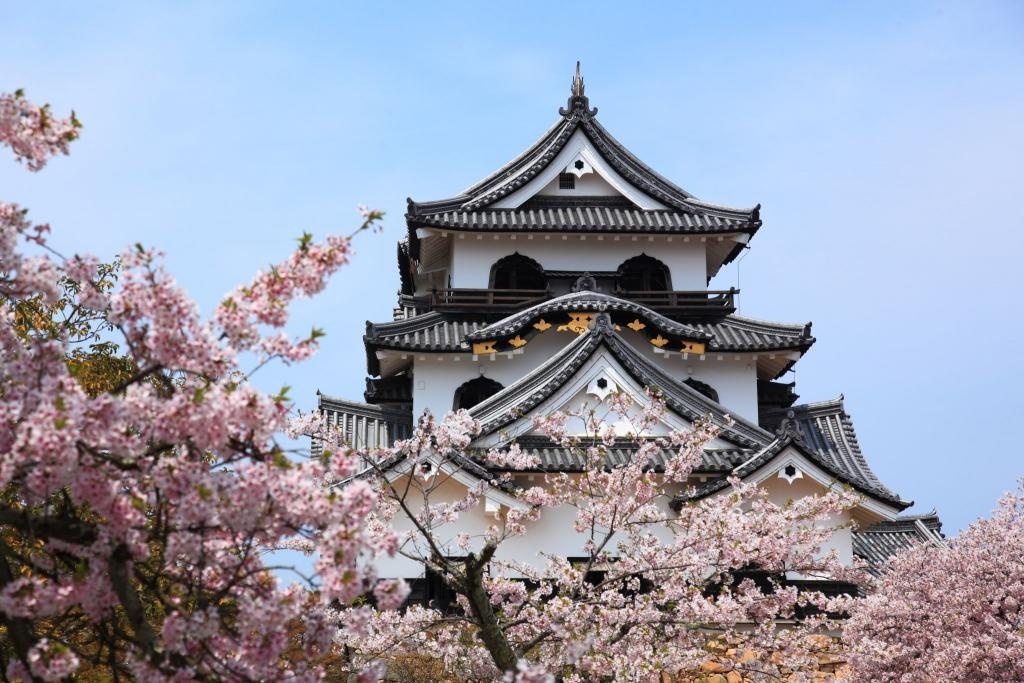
x: 578, y: 323
x: 542, y: 325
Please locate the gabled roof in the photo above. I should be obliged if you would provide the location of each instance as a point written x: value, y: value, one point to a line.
x: 585, y: 301
x: 515, y: 400
x: 826, y: 428
x: 813, y: 437
x: 444, y: 333
x: 684, y: 213
x: 593, y: 216
x: 554, y: 457
x: 879, y: 542
x: 432, y: 332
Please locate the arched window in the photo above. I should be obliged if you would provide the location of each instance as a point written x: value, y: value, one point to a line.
x: 644, y: 274
x: 702, y: 388
x: 518, y: 272
x: 475, y: 391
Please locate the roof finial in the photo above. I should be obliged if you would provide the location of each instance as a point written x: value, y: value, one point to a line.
x: 578, y: 104
x: 577, y: 82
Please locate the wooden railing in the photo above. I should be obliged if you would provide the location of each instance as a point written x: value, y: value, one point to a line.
x: 699, y: 303
x: 714, y: 302
x: 447, y: 299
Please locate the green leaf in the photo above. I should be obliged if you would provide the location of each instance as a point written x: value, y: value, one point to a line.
x: 281, y: 460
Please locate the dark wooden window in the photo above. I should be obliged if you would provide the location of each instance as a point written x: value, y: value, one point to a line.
x: 702, y: 388
x: 431, y: 591
x: 644, y: 274
x: 475, y: 391
x: 518, y: 272
x: 566, y: 181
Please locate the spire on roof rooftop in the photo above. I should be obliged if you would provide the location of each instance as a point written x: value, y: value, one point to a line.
x: 578, y: 104
x: 577, y: 82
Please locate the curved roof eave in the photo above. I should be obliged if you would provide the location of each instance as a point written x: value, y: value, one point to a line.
x: 523, y: 168
x: 584, y: 301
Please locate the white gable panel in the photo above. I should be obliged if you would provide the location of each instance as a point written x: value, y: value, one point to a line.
x: 589, y: 185
x: 579, y: 147
x: 775, y: 469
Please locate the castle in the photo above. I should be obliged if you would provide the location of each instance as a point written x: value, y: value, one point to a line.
x: 574, y: 271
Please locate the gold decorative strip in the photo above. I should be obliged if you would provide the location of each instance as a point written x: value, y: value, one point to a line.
x: 692, y: 347
x: 483, y: 348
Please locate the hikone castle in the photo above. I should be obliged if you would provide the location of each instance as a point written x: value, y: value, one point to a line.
x: 574, y: 271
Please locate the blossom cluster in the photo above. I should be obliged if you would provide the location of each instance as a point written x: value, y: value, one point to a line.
x: 149, y: 511
x: 655, y: 585
x: 951, y: 611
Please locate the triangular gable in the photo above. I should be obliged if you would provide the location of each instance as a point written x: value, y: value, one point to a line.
x: 570, y: 367
x: 598, y: 377
x: 578, y: 137
x: 579, y: 150
x: 788, y: 457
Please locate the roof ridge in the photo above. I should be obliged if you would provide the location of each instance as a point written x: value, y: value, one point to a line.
x: 829, y: 404
x: 747, y: 320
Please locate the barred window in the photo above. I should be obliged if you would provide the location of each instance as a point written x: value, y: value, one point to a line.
x: 566, y: 181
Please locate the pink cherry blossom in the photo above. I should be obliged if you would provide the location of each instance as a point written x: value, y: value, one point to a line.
x: 948, y: 612
x: 168, y: 493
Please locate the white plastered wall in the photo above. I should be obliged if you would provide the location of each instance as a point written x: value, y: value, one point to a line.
x: 474, y: 254
x: 780, y: 491
x: 553, y: 534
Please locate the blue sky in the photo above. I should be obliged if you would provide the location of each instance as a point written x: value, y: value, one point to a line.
x: 884, y: 141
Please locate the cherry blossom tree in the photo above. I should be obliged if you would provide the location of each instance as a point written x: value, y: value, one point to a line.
x: 138, y: 514
x: 140, y: 510
x: 949, y: 613
x: 655, y: 590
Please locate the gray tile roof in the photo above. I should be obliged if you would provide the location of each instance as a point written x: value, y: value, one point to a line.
x: 879, y: 542
x: 585, y: 301
x: 437, y: 332
x: 364, y: 425
x: 515, y: 400
x: 538, y: 156
x: 736, y: 333
x: 686, y: 214
x: 556, y: 458
x: 586, y: 219
x: 826, y: 428
x: 824, y: 434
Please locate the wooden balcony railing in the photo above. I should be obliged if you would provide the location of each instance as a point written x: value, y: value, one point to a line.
x: 673, y: 303
x: 714, y: 302
x: 476, y: 299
